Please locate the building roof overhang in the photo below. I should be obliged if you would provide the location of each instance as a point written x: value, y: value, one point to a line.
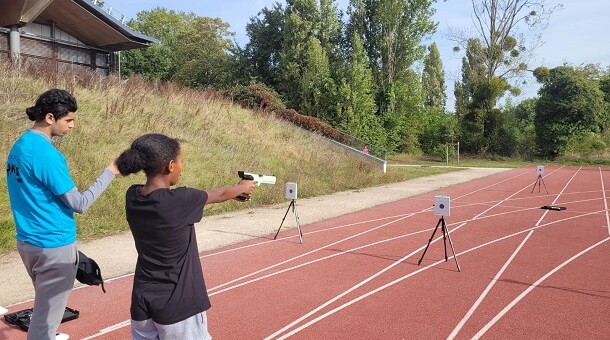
x: 81, y: 19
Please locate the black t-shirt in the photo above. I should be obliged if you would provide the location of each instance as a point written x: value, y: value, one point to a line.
x: 168, y: 285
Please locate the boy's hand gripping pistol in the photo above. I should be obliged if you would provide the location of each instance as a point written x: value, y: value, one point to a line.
x: 258, y: 179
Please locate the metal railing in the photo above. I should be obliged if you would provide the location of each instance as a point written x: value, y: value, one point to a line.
x: 111, y: 11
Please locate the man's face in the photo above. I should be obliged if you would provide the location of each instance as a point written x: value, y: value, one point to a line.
x: 62, y: 125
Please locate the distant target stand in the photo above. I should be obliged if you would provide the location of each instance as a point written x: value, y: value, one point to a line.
x: 540, y: 172
x: 442, y: 208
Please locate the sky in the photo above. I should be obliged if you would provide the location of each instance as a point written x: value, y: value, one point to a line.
x: 577, y: 34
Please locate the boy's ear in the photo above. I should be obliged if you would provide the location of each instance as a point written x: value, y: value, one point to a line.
x: 49, y: 118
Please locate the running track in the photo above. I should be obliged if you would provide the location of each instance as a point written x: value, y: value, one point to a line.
x: 526, y: 272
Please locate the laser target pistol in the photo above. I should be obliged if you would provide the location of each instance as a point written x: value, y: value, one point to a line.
x: 258, y: 179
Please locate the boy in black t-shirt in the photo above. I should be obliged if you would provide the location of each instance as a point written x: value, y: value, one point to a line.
x: 169, y: 297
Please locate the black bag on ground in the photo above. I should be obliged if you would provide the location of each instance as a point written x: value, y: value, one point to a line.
x: 89, y: 272
x: 22, y: 317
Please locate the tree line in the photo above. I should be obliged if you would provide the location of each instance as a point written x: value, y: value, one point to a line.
x: 368, y: 72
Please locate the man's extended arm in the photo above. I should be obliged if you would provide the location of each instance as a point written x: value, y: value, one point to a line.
x: 81, y: 201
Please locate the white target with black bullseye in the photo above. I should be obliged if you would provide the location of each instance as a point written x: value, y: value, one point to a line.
x: 441, y: 205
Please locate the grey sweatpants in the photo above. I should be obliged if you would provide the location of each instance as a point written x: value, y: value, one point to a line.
x: 52, y: 271
x: 193, y: 328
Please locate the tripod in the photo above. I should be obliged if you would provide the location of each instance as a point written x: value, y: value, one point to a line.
x: 446, y: 236
x: 538, y: 183
x: 292, y: 204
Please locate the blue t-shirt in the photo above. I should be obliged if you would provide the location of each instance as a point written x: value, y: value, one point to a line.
x: 37, y: 174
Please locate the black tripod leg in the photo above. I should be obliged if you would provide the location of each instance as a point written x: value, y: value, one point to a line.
x: 287, y: 210
x: 296, y: 216
x: 451, y: 244
x: 430, y: 240
x: 547, y: 191
x: 534, y: 187
x: 445, y: 234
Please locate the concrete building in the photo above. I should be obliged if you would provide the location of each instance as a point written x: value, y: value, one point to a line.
x: 66, y: 34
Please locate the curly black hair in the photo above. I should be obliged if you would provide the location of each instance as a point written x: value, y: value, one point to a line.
x: 55, y: 101
x: 150, y: 152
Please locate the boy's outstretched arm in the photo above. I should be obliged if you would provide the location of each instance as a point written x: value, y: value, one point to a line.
x: 223, y: 194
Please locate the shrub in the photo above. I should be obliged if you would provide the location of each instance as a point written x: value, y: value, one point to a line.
x: 257, y: 97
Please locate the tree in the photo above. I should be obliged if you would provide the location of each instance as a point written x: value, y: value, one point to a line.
x: 409, y: 114
x: 471, y: 98
x: 159, y: 60
x: 329, y: 33
x: 520, y: 119
x: 300, y: 26
x: 202, y: 54
x: 433, y: 80
x: 391, y: 32
x: 357, y: 99
x: 266, y: 38
x: 318, y: 89
x: 502, y: 53
x: 498, y: 24
x: 570, y: 104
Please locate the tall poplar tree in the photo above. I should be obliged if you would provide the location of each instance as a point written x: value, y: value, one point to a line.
x: 391, y: 31
x: 300, y: 26
x: 266, y: 38
x: 433, y: 80
x: 356, y: 99
x: 317, y: 86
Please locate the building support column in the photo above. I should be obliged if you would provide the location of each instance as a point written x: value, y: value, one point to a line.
x: 14, y: 39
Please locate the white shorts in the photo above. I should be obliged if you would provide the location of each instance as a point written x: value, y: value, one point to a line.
x: 193, y: 328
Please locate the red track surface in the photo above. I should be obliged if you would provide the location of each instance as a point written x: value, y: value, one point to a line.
x: 526, y: 272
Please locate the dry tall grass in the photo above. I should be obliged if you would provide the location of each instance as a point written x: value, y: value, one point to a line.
x: 218, y: 139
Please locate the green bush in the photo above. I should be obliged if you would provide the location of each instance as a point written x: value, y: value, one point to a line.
x: 585, y: 143
x: 257, y: 97
x: 441, y: 151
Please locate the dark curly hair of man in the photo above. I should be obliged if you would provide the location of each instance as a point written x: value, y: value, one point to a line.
x: 55, y: 101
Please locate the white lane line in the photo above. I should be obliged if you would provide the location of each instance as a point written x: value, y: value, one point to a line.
x: 354, y: 249
x: 557, y: 197
x: 269, y: 241
x: 310, y: 252
x: 109, y: 329
x: 377, y: 219
x: 320, y: 307
x: 461, y: 324
x: 370, y: 278
x: 601, y: 177
x: 528, y: 290
x: 126, y: 323
x: 306, y: 233
x: 345, y: 252
x: 486, y: 291
x: 347, y: 304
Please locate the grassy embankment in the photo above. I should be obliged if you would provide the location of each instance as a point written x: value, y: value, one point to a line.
x: 218, y: 139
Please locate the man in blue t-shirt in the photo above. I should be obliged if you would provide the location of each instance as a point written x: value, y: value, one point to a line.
x: 43, y: 201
